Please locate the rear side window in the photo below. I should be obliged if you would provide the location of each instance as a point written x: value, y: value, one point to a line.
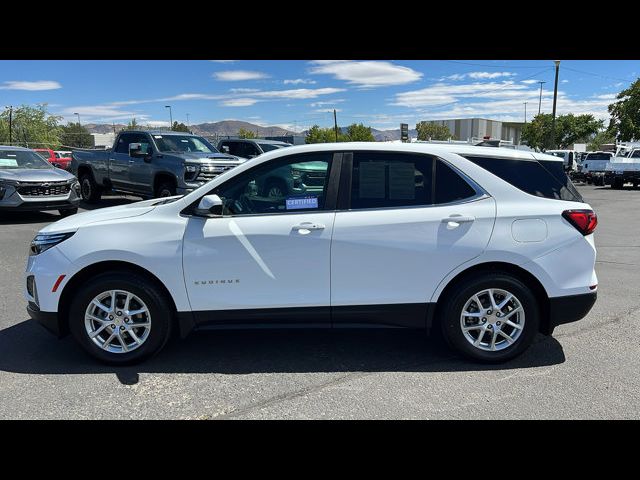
x: 388, y: 180
x: 542, y: 178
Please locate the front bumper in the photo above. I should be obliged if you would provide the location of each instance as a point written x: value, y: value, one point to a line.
x: 569, y: 309
x: 49, y: 320
x: 14, y: 201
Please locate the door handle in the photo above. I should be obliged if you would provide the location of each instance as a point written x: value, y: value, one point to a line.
x: 306, y: 227
x: 454, y: 221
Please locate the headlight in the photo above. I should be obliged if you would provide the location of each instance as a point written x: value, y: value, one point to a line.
x: 6, y: 185
x: 44, y: 241
x: 191, y: 172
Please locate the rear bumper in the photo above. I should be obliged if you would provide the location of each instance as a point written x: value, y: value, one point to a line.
x: 570, y: 308
x: 49, y: 320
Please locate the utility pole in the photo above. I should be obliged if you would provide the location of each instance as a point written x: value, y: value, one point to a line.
x: 525, y: 112
x: 10, y: 122
x: 540, y: 101
x: 187, y: 120
x: 555, y: 97
x: 114, y: 127
x: 170, y: 117
x: 335, y: 123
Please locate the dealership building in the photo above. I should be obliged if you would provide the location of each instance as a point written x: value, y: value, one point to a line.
x: 467, y: 128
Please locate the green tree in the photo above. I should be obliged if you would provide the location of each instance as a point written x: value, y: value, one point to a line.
x: 179, y: 127
x: 244, y: 133
x: 75, y: 135
x: 432, y: 131
x: 317, y: 134
x: 625, y: 114
x: 569, y: 129
x: 31, y: 127
x: 132, y: 125
x: 600, y: 139
x: 359, y: 133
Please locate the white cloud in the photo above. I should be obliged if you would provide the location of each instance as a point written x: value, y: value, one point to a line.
x: 238, y: 75
x: 222, y: 61
x: 529, y: 82
x: 239, y: 102
x: 564, y: 81
x: 298, y: 81
x: 443, y: 93
x: 243, y: 90
x: 328, y: 102
x: 366, y: 73
x: 327, y: 110
x: 479, y: 75
x: 297, y: 93
x: 31, y: 86
x: 97, y: 111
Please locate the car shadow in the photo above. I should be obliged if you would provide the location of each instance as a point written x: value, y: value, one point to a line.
x: 27, y: 348
x: 21, y: 218
x: 110, y: 201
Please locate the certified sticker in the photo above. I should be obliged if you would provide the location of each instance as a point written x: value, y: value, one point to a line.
x: 298, y: 203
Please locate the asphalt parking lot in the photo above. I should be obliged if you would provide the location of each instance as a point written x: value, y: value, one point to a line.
x: 589, y: 369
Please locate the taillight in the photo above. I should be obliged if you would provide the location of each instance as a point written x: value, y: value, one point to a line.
x: 585, y: 221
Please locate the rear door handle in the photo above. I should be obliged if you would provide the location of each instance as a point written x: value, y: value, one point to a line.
x: 454, y: 221
x: 306, y: 227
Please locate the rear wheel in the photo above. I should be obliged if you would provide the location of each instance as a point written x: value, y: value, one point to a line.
x: 89, y: 189
x: 491, y: 317
x: 617, y: 183
x: 120, y: 318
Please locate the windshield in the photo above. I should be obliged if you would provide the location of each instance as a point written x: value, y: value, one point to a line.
x: 598, y: 156
x: 556, y: 154
x: 13, y: 159
x: 183, y: 143
x: 267, y: 147
x: 635, y: 154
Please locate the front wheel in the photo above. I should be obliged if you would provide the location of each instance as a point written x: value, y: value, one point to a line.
x: 89, y: 189
x: 165, y: 189
x: 120, y: 318
x: 491, y: 318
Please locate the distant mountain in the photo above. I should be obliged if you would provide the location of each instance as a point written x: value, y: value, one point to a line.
x: 223, y: 128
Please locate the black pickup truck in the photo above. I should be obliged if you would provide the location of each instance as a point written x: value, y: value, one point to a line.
x: 150, y: 164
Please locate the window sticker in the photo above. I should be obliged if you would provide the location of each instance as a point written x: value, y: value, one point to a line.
x: 8, y: 162
x: 372, y: 179
x: 297, y: 203
x: 402, y: 181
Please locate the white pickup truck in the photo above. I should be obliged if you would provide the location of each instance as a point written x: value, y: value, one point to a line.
x: 594, y: 166
x: 623, y: 169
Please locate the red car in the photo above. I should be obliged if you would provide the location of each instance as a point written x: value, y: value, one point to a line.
x: 52, y: 158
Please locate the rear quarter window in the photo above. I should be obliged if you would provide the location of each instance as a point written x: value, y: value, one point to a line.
x: 542, y: 178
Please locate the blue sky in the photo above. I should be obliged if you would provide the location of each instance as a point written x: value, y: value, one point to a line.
x: 297, y: 94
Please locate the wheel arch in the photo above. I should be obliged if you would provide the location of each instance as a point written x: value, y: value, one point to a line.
x: 89, y: 271
x: 520, y: 273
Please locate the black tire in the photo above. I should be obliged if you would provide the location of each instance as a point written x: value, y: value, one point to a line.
x: 165, y: 189
x: 275, y: 184
x: 617, y: 183
x: 159, y: 307
x: 90, y: 191
x: 452, y: 307
x: 68, y: 212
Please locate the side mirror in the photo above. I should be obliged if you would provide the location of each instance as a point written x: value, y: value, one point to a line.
x: 225, y: 149
x: 209, y: 206
x: 136, y: 151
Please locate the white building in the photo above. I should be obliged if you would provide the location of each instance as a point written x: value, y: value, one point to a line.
x: 466, y: 128
x: 103, y: 139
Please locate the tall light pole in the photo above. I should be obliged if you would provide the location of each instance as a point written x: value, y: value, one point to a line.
x: 525, y: 112
x: 170, y: 117
x: 187, y: 120
x: 555, y: 98
x: 540, y: 101
x: 75, y: 113
x: 335, y: 123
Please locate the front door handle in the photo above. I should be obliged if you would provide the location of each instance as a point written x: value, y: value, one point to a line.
x: 306, y: 227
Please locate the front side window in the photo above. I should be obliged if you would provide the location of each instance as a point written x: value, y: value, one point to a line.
x: 290, y: 184
x: 267, y: 147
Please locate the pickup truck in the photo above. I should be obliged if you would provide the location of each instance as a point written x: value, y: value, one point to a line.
x: 150, y: 164
x: 594, y: 166
x: 623, y: 169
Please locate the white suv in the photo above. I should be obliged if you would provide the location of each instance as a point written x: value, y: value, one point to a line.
x: 491, y: 245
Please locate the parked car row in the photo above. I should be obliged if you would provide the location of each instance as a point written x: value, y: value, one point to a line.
x: 57, y: 158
